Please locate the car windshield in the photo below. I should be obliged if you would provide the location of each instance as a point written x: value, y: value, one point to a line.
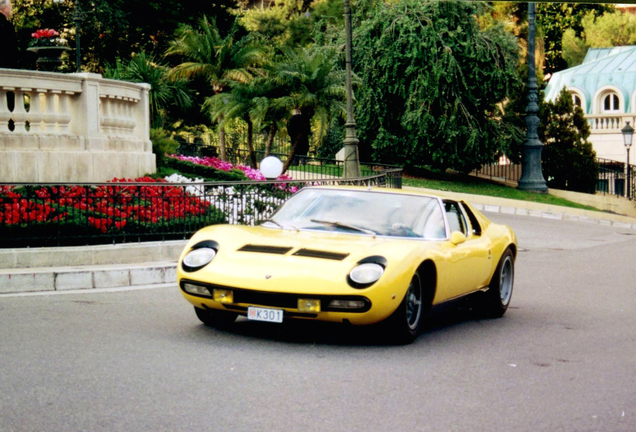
x: 363, y: 213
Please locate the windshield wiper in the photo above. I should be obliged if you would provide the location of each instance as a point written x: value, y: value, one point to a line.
x: 279, y: 225
x: 344, y: 225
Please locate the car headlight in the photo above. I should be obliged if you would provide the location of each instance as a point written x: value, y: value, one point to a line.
x: 200, y: 255
x: 367, y: 272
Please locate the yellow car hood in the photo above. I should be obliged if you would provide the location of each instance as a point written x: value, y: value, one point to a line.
x: 272, y: 259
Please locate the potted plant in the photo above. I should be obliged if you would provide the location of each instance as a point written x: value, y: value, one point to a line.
x: 49, y: 47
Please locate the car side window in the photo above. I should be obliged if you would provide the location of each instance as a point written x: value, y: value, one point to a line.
x: 455, y: 216
x: 476, y: 228
x: 430, y: 223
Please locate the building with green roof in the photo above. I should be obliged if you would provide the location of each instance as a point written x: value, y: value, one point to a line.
x: 604, y: 86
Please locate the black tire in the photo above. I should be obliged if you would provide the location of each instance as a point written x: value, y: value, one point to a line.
x: 497, y: 298
x: 405, y: 323
x: 215, y: 318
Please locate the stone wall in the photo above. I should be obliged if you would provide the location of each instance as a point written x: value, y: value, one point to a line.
x: 72, y: 128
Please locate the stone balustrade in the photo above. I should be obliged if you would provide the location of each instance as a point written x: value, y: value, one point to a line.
x: 609, y: 123
x: 72, y: 128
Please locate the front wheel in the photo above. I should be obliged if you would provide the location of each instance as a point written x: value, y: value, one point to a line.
x: 500, y: 289
x: 215, y: 318
x: 404, y: 324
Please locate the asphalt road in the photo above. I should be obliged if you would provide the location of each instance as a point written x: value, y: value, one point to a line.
x: 562, y: 359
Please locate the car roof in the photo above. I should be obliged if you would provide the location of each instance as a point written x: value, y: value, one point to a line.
x: 387, y: 191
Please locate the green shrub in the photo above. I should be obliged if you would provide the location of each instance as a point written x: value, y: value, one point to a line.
x: 162, y: 144
x: 203, y: 171
x: 569, y: 161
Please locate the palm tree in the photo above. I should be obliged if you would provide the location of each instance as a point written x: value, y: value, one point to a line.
x: 239, y: 103
x: 163, y: 93
x: 316, y: 92
x: 268, y: 112
x: 221, y: 61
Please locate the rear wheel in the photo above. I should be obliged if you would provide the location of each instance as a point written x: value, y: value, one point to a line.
x: 404, y: 324
x: 497, y: 298
x: 215, y: 318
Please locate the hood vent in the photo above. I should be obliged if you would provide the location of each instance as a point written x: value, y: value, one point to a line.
x: 312, y: 253
x: 279, y: 250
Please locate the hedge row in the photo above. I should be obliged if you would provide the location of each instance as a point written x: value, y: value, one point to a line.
x: 204, y: 171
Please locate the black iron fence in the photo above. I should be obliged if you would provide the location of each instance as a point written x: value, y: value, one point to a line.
x: 236, y: 148
x: 34, y: 215
x: 614, y: 178
x: 303, y: 167
x: 505, y: 172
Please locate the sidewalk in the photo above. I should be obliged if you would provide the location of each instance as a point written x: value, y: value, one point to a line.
x: 154, y: 263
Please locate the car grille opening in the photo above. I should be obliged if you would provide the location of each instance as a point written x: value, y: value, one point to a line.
x: 279, y: 250
x: 313, y: 253
x: 287, y: 300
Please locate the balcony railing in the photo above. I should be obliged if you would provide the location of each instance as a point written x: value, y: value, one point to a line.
x: 609, y: 123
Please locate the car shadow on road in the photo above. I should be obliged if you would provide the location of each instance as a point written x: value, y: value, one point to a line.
x: 440, y: 319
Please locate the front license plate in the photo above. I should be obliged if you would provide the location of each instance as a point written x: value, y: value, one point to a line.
x: 263, y: 314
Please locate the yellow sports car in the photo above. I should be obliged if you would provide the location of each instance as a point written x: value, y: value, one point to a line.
x: 352, y: 255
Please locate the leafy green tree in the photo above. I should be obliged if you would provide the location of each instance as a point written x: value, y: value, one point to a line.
x: 220, y: 60
x: 433, y: 84
x: 164, y: 93
x: 295, y: 23
x: 284, y: 22
x: 608, y: 30
x: 569, y: 162
x: 315, y: 91
x: 239, y: 103
x: 270, y: 114
x: 553, y: 19
x: 115, y: 28
x: 574, y: 48
x: 162, y: 145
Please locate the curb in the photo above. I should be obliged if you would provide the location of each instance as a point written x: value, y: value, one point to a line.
x: 86, y: 277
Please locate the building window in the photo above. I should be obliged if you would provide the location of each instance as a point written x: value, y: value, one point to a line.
x: 611, y: 103
x: 577, y: 101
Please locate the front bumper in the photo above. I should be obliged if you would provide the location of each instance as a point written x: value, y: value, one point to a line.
x: 366, y: 313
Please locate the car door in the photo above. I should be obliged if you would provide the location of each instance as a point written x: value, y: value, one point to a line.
x: 470, y: 261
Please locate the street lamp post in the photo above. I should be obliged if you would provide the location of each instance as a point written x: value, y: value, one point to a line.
x: 78, y: 18
x: 351, y: 161
x: 628, y: 136
x: 531, y: 173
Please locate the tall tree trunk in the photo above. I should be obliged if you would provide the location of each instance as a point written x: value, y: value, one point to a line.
x: 250, y: 140
x: 222, y: 152
x: 218, y: 89
x: 270, y: 139
x: 292, y: 153
x: 299, y: 134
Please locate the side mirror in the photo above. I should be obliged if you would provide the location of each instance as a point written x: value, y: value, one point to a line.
x: 457, y: 238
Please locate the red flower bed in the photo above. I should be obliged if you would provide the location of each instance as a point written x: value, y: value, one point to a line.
x: 105, y: 207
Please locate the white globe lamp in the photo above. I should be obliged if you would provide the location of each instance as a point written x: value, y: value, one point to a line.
x: 271, y: 167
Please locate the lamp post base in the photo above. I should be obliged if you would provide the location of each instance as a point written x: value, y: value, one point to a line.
x: 537, y: 186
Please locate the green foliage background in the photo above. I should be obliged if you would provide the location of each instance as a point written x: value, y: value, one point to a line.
x: 433, y: 84
x: 440, y: 83
x: 569, y: 162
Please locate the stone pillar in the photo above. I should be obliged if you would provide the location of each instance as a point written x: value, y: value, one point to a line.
x: 86, y: 114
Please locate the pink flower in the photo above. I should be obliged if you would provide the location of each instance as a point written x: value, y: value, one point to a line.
x: 45, y: 33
